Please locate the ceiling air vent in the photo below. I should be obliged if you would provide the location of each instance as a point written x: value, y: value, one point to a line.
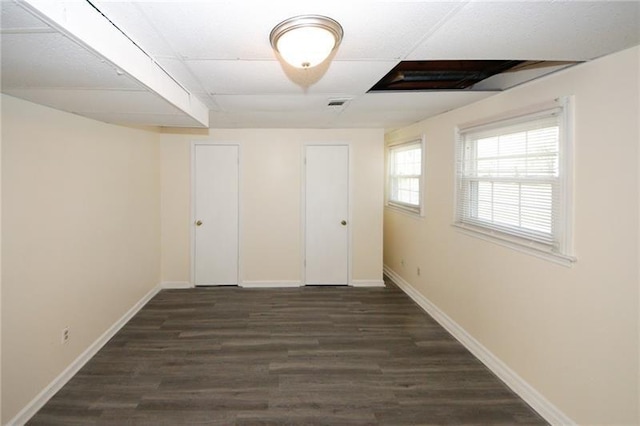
x: 337, y: 102
x: 338, y: 105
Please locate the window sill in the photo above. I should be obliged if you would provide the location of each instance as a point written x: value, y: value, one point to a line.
x: 405, y: 210
x: 515, y: 243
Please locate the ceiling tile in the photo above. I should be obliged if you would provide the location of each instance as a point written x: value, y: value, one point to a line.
x: 265, y: 77
x: 127, y: 16
x: 388, y: 30
x: 393, y: 109
x: 242, y: 77
x: 213, y: 30
x: 275, y: 103
x: 564, y: 30
x: 219, y: 51
x: 351, y: 76
x: 273, y: 120
x: 513, y: 78
x: 240, y: 29
x: 427, y: 102
x: 179, y: 70
x: 14, y: 17
x: 54, y: 61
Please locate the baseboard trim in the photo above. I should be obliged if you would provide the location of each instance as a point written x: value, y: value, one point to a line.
x: 173, y: 285
x: 531, y: 396
x: 367, y: 283
x: 48, y: 392
x: 270, y: 284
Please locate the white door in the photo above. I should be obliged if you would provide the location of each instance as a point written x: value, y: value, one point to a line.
x: 327, y: 214
x: 215, y: 214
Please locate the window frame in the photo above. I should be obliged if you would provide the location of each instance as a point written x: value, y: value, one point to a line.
x: 412, y: 209
x: 561, y: 249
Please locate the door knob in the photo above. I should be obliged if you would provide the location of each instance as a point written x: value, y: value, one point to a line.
x: 198, y: 223
x: 343, y: 223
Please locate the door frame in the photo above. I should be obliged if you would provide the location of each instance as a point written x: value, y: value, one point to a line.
x: 303, y: 208
x: 192, y: 214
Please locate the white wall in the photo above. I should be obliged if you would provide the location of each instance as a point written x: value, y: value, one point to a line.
x: 271, y: 173
x: 572, y: 333
x: 80, y: 241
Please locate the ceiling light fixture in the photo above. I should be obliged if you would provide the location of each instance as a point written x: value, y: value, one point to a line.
x: 306, y: 41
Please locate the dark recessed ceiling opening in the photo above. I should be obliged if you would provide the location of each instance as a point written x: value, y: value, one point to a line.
x: 453, y: 74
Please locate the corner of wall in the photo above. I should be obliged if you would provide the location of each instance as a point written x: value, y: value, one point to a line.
x: 56, y: 384
x: 94, y: 190
x: 528, y: 393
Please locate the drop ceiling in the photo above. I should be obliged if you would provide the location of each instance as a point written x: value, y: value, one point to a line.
x: 210, y: 64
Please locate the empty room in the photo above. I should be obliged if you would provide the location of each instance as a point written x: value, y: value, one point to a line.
x: 304, y: 212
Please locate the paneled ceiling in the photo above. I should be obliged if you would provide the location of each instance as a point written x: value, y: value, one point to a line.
x: 209, y: 63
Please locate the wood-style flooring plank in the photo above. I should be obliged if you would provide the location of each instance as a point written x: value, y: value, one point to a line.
x: 311, y: 355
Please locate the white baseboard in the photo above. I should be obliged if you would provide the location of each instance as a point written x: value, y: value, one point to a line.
x: 367, y: 283
x: 270, y: 284
x: 531, y: 396
x: 45, y: 395
x: 172, y: 285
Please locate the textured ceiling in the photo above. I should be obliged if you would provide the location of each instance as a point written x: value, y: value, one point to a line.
x: 219, y: 52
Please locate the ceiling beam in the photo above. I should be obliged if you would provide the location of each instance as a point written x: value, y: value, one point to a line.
x: 80, y: 21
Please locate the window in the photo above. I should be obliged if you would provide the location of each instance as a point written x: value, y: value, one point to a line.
x: 513, y: 180
x: 405, y: 176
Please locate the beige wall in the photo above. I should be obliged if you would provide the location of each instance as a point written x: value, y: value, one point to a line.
x: 0, y: 263
x: 271, y: 173
x: 94, y: 215
x: 80, y: 241
x: 570, y: 332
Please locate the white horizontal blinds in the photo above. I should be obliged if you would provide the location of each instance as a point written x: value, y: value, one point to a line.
x: 405, y: 170
x: 509, y: 177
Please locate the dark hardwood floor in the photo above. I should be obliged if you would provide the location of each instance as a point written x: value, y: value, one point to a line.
x: 310, y: 355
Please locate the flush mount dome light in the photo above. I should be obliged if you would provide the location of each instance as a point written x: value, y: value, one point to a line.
x: 307, y: 40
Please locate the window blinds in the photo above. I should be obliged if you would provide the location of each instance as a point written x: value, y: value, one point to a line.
x: 405, y: 174
x: 509, y: 177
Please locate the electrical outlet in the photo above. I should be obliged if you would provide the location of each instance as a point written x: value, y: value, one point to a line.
x: 65, y: 335
x: 418, y: 271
